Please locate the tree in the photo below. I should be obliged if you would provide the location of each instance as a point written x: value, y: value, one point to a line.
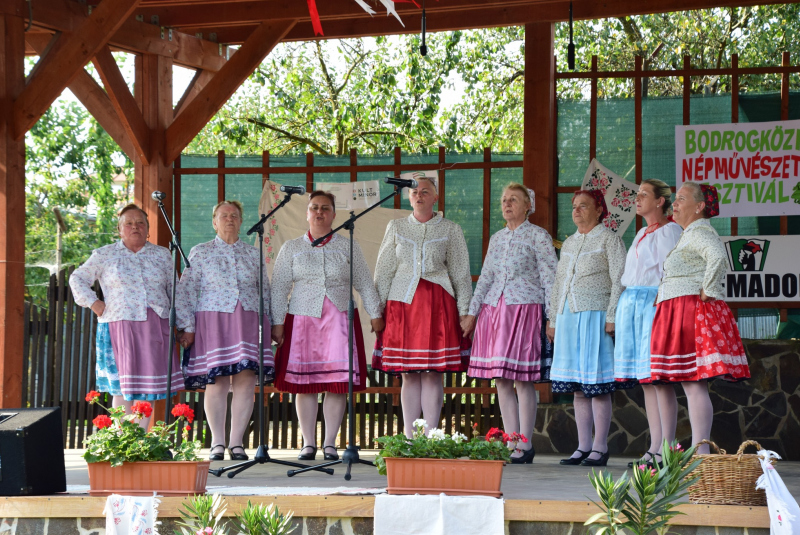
x: 71, y: 163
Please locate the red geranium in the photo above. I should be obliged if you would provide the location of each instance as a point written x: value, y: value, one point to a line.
x: 92, y: 396
x: 142, y: 408
x: 496, y: 434
x: 102, y: 421
x: 182, y: 409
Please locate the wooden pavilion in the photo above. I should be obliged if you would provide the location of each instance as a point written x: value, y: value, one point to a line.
x: 68, y: 34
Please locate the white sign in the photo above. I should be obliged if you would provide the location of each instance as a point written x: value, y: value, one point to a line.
x: 353, y: 195
x: 754, y: 166
x: 762, y: 268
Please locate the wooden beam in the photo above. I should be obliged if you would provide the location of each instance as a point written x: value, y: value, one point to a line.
x: 66, y: 60
x: 123, y: 102
x: 199, y: 81
x: 539, y: 135
x: 219, y: 89
x: 133, y: 36
x: 12, y: 209
x: 93, y: 98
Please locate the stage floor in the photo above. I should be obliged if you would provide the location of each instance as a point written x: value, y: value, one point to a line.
x: 545, y: 479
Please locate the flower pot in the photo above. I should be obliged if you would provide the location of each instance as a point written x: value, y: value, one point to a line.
x: 167, y: 478
x: 452, y: 476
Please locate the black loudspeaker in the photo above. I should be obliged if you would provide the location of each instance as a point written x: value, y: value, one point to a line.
x: 31, y: 452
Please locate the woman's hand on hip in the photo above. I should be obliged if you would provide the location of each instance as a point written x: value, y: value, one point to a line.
x: 550, y: 332
x: 703, y: 297
x: 377, y: 325
x: 98, y: 307
x: 277, y: 335
x: 467, y: 325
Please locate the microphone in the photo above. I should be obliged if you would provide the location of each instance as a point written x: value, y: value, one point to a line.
x: 401, y: 182
x: 158, y: 196
x: 294, y: 190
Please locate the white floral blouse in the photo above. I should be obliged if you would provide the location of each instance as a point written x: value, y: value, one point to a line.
x: 131, y: 282
x: 521, y: 265
x: 589, y: 272
x: 435, y: 251
x: 221, y: 274
x: 312, y: 273
x: 697, y: 261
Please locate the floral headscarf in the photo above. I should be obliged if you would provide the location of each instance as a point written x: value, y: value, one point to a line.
x: 711, y: 198
x: 599, y: 200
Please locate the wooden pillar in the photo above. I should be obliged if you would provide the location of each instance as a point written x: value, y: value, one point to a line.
x: 154, y: 87
x: 538, y: 164
x: 12, y: 207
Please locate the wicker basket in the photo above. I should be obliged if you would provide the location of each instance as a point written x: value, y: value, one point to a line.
x: 728, y: 479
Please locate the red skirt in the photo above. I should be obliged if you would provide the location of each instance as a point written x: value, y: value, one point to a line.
x: 422, y: 336
x: 695, y: 341
x: 282, y: 360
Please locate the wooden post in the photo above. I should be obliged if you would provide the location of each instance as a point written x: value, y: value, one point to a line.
x: 735, y: 118
x: 637, y: 118
x: 265, y: 165
x: 221, y: 176
x: 593, y: 113
x: 538, y: 167
x: 487, y: 201
x: 154, y: 80
x: 310, y: 174
x: 12, y: 207
x: 398, y: 159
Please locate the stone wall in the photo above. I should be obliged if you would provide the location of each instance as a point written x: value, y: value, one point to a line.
x: 765, y: 408
x: 328, y: 526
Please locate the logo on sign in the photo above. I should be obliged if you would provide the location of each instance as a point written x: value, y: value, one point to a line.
x: 747, y: 254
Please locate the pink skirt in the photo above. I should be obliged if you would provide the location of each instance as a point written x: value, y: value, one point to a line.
x: 140, y: 349
x: 226, y: 344
x: 314, y: 355
x: 508, y: 343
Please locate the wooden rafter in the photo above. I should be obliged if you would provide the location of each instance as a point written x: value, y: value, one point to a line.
x: 220, y: 88
x: 201, y: 78
x: 93, y: 98
x: 132, y: 36
x: 66, y: 60
x: 123, y: 102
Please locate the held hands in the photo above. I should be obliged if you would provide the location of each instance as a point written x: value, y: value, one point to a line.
x: 550, y: 332
x: 610, y: 328
x: 467, y: 325
x: 98, y: 307
x: 185, y: 339
x: 377, y: 325
x: 703, y: 297
x: 277, y: 335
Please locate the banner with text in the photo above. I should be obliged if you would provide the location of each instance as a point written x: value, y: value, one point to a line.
x: 762, y: 268
x: 754, y: 166
x: 353, y: 195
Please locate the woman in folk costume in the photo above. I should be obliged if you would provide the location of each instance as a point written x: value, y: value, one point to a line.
x: 510, y: 301
x: 133, y: 321
x: 695, y: 337
x: 584, y: 302
x: 312, y: 341
x: 217, y: 303
x: 424, y: 282
x: 644, y: 266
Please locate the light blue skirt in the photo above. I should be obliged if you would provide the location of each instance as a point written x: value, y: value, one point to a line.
x: 106, y: 368
x: 634, y: 324
x: 583, y: 352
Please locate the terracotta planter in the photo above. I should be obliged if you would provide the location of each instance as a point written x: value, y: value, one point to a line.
x: 167, y: 478
x: 452, y: 476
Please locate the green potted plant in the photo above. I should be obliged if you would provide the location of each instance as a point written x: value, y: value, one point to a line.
x: 124, y: 458
x: 438, y: 462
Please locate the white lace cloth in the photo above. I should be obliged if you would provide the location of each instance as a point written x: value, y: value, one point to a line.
x: 784, y: 513
x: 131, y: 515
x: 438, y: 515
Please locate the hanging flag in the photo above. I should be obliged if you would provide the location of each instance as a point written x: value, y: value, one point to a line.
x: 312, y: 10
x: 390, y: 10
x: 365, y: 6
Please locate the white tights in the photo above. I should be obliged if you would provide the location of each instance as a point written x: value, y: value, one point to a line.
x: 517, y: 409
x: 216, y: 406
x: 661, y: 405
x: 592, y: 412
x: 701, y: 412
x: 422, y: 393
x: 333, y: 407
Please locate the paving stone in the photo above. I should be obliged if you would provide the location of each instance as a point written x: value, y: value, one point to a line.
x: 617, y: 444
x: 362, y: 526
x: 790, y: 434
x: 316, y: 526
x: 738, y: 393
x: 638, y: 445
x: 92, y: 526
x: 790, y: 372
x: 758, y: 531
x: 683, y: 530
x: 730, y: 531
x: 335, y: 528
x: 776, y: 404
x: 62, y: 526
x: 539, y: 528
x: 763, y: 425
x: 632, y: 419
x: 726, y: 430
x: 30, y: 526
x: 562, y: 432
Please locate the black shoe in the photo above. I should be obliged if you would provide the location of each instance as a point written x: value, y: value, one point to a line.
x: 217, y: 456
x: 526, y: 457
x: 237, y: 456
x: 576, y: 460
x: 602, y: 461
x: 656, y: 464
x: 642, y: 461
x: 308, y: 456
x: 330, y: 456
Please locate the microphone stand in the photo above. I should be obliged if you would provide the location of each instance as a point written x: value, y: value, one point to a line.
x: 262, y: 453
x: 350, y: 455
x: 174, y: 245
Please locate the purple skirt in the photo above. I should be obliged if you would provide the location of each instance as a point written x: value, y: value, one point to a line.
x: 508, y: 343
x: 226, y: 344
x: 140, y: 349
